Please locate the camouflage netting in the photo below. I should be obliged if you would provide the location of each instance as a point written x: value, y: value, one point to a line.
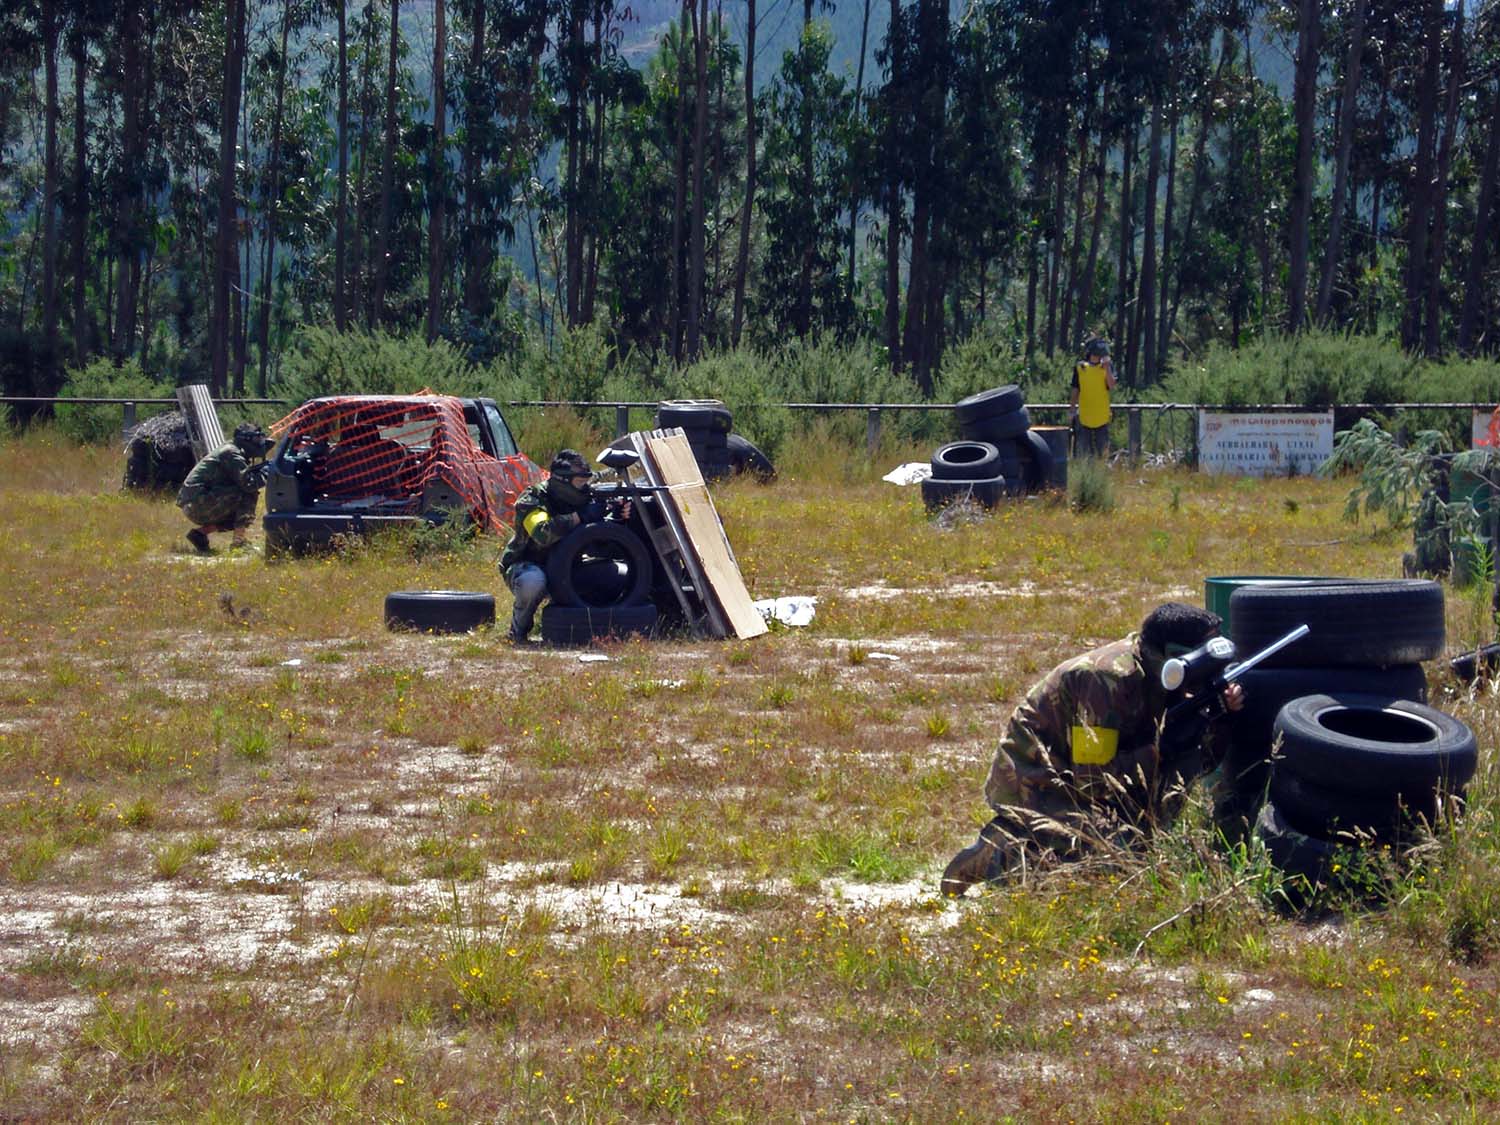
x: 159, y: 454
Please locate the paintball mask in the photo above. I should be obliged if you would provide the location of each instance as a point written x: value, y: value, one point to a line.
x: 569, y: 463
x: 1096, y: 347
x: 250, y: 439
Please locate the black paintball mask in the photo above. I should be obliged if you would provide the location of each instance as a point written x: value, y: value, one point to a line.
x: 567, y: 465
x: 251, y: 440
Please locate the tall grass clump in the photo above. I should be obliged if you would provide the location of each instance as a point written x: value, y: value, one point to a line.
x: 1090, y: 487
x: 100, y: 425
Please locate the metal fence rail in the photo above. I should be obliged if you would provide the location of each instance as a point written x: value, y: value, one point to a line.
x: 1135, y: 412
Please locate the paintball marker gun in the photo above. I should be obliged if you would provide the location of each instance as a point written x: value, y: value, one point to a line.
x: 1205, y: 672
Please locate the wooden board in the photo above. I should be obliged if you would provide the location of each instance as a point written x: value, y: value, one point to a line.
x: 203, y: 426
x: 688, y: 497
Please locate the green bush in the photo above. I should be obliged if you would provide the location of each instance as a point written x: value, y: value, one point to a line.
x: 1090, y: 488
x: 323, y: 362
x: 98, y: 425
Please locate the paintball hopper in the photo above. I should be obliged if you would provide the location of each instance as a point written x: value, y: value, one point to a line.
x: 1201, y: 666
x: 620, y: 460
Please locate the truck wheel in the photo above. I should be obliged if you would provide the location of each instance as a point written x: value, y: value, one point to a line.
x: 578, y: 625
x: 439, y: 611
x: 1353, y: 622
x: 1371, y: 744
x: 965, y: 460
x: 1000, y: 400
x: 588, y: 544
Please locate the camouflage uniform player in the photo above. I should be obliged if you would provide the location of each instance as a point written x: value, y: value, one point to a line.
x: 545, y: 514
x: 1086, y: 762
x: 220, y: 493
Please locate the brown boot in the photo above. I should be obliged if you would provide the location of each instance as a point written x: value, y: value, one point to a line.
x: 978, y: 863
x: 199, y: 539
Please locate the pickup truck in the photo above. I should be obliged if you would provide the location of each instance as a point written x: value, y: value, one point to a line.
x: 349, y: 464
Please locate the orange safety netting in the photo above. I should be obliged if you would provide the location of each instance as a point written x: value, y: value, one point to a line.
x: 395, y: 447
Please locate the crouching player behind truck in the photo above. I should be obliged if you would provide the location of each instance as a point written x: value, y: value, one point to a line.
x: 1096, y: 755
x: 220, y: 493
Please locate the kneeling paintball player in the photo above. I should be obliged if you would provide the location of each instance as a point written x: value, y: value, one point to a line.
x: 220, y: 493
x: 1094, y: 757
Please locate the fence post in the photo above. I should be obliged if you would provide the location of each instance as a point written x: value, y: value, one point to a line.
x: 127, y: 422
x: 622, y: 420
x: 872, y: 430
x: 1134, y: 439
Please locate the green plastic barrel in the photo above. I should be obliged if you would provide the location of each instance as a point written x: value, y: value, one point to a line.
x: 1217, y: 589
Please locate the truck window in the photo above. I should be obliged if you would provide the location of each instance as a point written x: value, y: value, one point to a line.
x: 505, y: 444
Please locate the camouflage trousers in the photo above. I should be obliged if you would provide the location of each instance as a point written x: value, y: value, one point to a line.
x: 224, y: 508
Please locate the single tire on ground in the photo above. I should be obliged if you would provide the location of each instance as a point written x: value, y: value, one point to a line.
x: 1353, y: 623
x: 694, y: 413
x: 997, y: 428
x: 1374, y: 745
x: 965, y: 460
x: 746, y: 457
x: 1482, y: 661
x: 1247, y: 765
x: 439, y: 611
x: 597, y: 541
x: 940, y: 493
x: 1320, y: 810
x: 986, y: 404
x: 1058, y: 438
x: 578, y: 625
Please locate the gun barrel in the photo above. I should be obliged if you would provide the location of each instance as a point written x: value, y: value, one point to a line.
x: 1234, y: 671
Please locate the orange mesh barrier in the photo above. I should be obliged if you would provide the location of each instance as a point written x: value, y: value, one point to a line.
x: 394, y: 448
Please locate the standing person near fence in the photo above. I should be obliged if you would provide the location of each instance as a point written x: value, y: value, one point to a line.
x: 1093, y: 379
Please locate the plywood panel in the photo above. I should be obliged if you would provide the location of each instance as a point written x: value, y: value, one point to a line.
x: 688, y: 495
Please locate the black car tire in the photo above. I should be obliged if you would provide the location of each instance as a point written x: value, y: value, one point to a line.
x: 1038, y: 455
x: 1375, y: 745
x: 706, y: 414
x: 1482, y: 661
x: 1294, y: 852
x: 940, y: 493
x: 746, y: 457
x: 439, y: 611
x: 965, y: 460
x: 1320, y: 810
x: 1266, y: 690
x: 1352, y: 623
x: 986, y: 404
x: 604, y: 540
x: 997, y: 428
x: 578, y: 625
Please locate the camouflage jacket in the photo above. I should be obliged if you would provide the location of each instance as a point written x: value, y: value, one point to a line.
x: 223, y: 470
x: 1084, y: 740
x: 541, y: 520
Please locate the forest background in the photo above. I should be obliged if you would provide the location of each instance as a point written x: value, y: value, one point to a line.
x: 868, y: 200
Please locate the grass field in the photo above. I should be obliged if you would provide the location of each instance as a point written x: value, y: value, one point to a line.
x: 279, y: 863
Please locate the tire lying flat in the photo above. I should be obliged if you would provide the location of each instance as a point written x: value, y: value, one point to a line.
x: 966, y: 460
x: 1353, y: 622
x: 940, y: 493
x: 987, y: 404
x: 1370, y: 744
x: 997, y: 428
x: 439, y: 611
x: 1318, y: 810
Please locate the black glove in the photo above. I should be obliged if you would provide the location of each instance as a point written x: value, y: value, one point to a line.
x: 592, y: 512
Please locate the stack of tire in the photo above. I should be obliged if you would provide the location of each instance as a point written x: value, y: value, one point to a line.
x: 159, y: 454
x: 709, y: 427
x: 599, y: 580
x: 1000, y: 455
x: 1336, y: 736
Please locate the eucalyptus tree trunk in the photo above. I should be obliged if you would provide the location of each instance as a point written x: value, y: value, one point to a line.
x: 273, y: 193
x: 1145, y: 309
x: 382, y: 268
x: 742, y: 259
x: 224, y: 245
x: 49, y: 194
x: 128, y: 220
x: 1343, y: 147
x: 78, y: 218
x: 341, y: 215
x: 1431, y: 343
x: 1304, y: 109
x: 1484, y: 218
x: 700, y: 153
x: 437, y: 218
x: 1419, y: 209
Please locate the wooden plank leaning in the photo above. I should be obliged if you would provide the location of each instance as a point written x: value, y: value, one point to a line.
x: 690, y: 509
x: 203, y: 426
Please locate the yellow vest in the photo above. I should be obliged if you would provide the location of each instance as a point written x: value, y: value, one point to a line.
x: 1093, y: 395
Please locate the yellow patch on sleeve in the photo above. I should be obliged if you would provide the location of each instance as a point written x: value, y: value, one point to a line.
x: 1095, y: 746
x: 535, y: 520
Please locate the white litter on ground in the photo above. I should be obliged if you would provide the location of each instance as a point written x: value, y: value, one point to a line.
x: 795, y: 611
x: 593, y: 658
x: 913, y: 472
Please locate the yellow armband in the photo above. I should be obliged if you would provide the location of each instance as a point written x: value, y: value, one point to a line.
x: 534, y: 520
x: 1095, y: 746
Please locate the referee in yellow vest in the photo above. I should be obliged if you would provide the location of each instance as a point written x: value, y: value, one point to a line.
x: 1093, y: 379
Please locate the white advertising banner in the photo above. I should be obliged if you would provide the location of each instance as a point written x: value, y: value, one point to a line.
x: 1481, y: 434
x: 1264, y: 445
